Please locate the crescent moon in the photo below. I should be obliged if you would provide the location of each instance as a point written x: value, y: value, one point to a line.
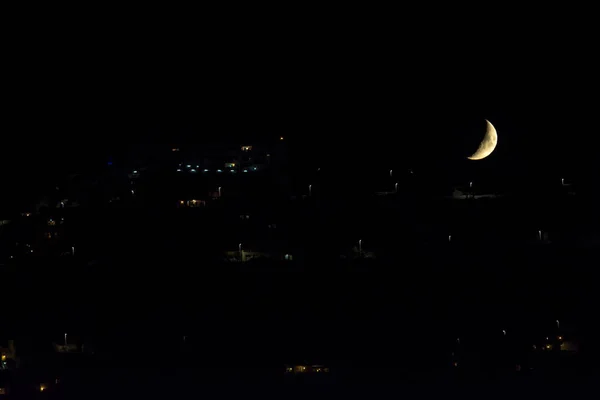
x: 487, y: 145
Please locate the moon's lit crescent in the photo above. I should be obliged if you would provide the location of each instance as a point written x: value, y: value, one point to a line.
x: 487, y: 145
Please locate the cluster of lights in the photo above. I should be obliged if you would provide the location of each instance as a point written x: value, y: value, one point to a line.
x: 232, y: 170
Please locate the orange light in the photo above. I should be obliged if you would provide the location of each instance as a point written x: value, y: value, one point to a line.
x: 42, y: 388
x: 3, y: 357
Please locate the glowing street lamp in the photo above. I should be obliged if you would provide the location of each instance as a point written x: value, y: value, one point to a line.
x: 65, y: 339
x: 390, y: 172
x: 310, y: 190
x: 219, y: 191
x: 503, y: 331
x: 558, y: 324
x: 396, y: 187
x: 360, y: 247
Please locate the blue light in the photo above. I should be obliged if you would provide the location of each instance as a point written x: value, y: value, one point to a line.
x: 193, y: 170
x: 110, y: 163
x: 245, y: 170
x: 205, y: 170
x: 219, y: 170
x: 188, y: 166
x: 254, y: 168
x: 178, y: 170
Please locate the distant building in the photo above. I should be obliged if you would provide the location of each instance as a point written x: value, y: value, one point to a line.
x: 243, y: 256
x: 8, y: 355
x: 67, y: 348
x: 191, y: 203
x: 306, y: 369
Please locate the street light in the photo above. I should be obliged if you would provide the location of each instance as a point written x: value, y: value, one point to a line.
x: 219, y: 191
x: 310, y: 190
x: 241, y: 252
x: 65, y: 339
x: 360, y: 247
x: 396, y: 187
x: 558, y: 324
x: 503, y: 331
x: 390, y: 172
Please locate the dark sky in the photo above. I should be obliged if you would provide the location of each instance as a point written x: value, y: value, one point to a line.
x: 423, y: 101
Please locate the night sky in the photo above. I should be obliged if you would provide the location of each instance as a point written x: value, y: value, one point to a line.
x: 419, y: 104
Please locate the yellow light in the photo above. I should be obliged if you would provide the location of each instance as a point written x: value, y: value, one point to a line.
x: 233, y: 164
x: 560, y: 338
x: 42, y: 388
x: 281, y: 138
x: 548, y: 346
x: 3, y: 357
